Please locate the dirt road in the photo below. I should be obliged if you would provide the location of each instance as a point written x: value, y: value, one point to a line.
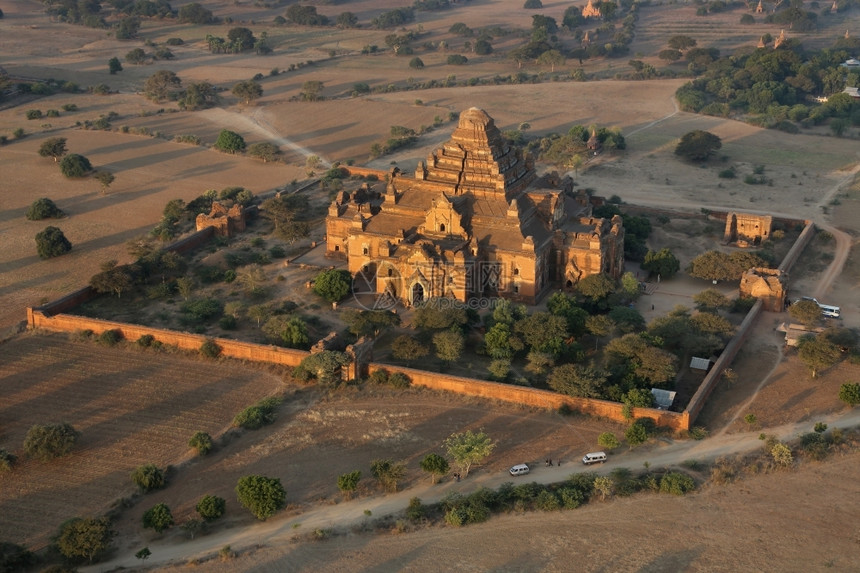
x: 281, y: 530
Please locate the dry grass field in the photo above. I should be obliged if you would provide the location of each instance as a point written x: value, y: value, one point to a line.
x: 125, y: 402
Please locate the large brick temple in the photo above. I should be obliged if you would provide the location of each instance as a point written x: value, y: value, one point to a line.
x: 474, y: 221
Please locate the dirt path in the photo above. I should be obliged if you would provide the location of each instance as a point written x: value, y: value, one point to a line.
x: 281, y: 530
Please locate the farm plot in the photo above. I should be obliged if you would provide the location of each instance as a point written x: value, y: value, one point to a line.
x: 131, y: 407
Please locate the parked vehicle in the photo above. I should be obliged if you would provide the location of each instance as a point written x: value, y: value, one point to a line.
x: 519, y: 470
x: 827, y: 310
x: 594, y: 458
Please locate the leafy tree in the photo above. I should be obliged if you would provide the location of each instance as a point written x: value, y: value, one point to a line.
x: 265, y: 151
x: 159, y: 85
x: 241, y: 39
x: 806, y: 312
x: 211, y: 507
x: 680, y: 42
x: 849, y: 393
x: 198, y: 95
x: 438, y: 314
x: 483, y: 47
x: 158, y: 517
x: 202, y: 442
x: 312, y: 90
x: 603, y: 486
x: 543, y: 332
x: 457, y: 60
x: 259, y: 312
x: 346, y: 20
x: 325, y: 366
x: 348, y: 483
x: 51, y: 242
x: 286, y: 214
x: 369, y: 322
x: 260, y: 414
x: 7, y: 460
x: 292, y: 331
x: 387, y: 473
x: 261, y: 495
x: 468, y: 448
x: 136, y: 56
x: 128, y: 28
x: 636, y: 434
x: 608, y: 440
x: 818, y: 353
x: 230, y: 142
x: 595, y: 288
x: 105, y: 178
x: 551, y: 58
x: 711, y: 299
x: 532, y: 5
x: 662, y: 263
x: 75, y: 165
x: 676, y: 483
x: 416, y: 63
x: 332, y: 284
x: 782, y: 455
x: 501, y: 342
x: 113, y: 278
x: 407, y: 348
x: 148, y: 477
x: 627, y: 319
x: 599, y: 325
x: 698, y: 145
x: 85, y: 538
x: 646, y: 362
x: 114, y: 66
x: 435, y: 465
x: 46, y: 442
x: 53, y: 147
x: 716, y: 265
x: 670, y: 55
x: 194, y: 13
x: 577, y: 380
x: 449, y: 345
x: 44, y: 208
x: 248, y: 91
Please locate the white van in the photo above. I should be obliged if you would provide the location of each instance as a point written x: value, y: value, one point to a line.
x: 519, y: 470
x: 829, y: 311
x: 594, y: 458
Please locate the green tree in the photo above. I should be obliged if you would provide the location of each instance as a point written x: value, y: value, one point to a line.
x: 551, y: 58
x: 114, y: 66
x: 599, y: 325
x: 716, y: 265
x: 782, y: 455
x: 85, y: 538
x: 608, y: 440
x: 449, y: 345
x: 292, y: 331
x: 543, y: 332
x: 211, y: 507
x: 818, y: 353
x: 159, y: 85
x: 105, y: 178
x: 469, y: 448
x: 49, y: 441
x: 148, y: 477
x: 670, y: 55
x: 75, y: 165
x: 261, y: 495
x: 248, y: 91
x: 501, y: 342
x: 158, y: 517
x: 51, y: 242
x: 849, y: 393
x: 230, y: 142
x: 698, y: 145
x: 636, y: 434
x: 332, y: 284
x: 265, y: 151
x: 44, y: 208
x: 603, y: 486
x: 648, y: 363
x: 680, y: 42
x: 348, y: 483
x: 662, y: 263
x: 677, y: 483
x: 369, y: 322
x: 113, y: 278
x: 241, y: 39
x: 202, y: 442
x: 407, y: 348
x: 136, y: 56
x: 577, y: 380
x: 143, y: 554
x: 435, y: 465
x: 595, y: 288
x: 387, y: 473
x: 416, y: 63
x: 53, y: 147
x: 259, y: 312
x: 711, y: 299
x: 198, y: 95
x: 260, y: 414
x: 312, y: 90
x: 806, y: 312
x: 194, y: 13
x: 439, y: 314
x: 326, y: 367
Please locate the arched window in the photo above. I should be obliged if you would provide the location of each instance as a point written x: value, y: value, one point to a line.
x: 442, y: 227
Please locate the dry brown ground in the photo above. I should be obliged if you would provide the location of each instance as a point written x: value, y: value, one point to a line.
x: 150, y: 172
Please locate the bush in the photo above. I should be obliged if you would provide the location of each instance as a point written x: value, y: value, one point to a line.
x: 85, y: 538
x: 148, y: 477
x: 46, y: 442
x: 415, y: 511
x: 636, y: 434
x: 608, y: 440
x: 34, y: 114
x: 158, y: 517
x: 75, y: 165
x: 456, y: 60
x: 210, y: 349
x: 850, y: 393
x: 261, y: 495
x: 260, y: 414
x: 211, y: 507
x: 52, y: 243
x: 399, y: 380
x: 146, y: 340
x: 202, y: 442
x: 110, y: 337
x: 7, y: 460
x: 676, y: 483
x: 44, y: 208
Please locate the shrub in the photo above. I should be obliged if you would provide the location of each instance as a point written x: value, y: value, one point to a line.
x: 110, y: 337
x: 158, y: 517
x: 52, y: 243
x: 7, y: 460
x: 85, y: 538
x: 202, y: 309
x: 261, y: 495
x: 75, y: 165
x: 211, y: 507
x: 676, y: 483
x: 415, y: 511
x: 46, y: 442
x: 636, y: 434
x: 202, y: 442
x: 608, y: 440
x: 457, y: 60
x: 148, y: 477
x: 850, y: 393
x: 210, y: 349
x: 44, y: 208
x: 146, y: 340
x: 34, y: 114
x: 260, y: 414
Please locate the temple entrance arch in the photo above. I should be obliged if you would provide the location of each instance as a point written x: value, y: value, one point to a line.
x: 417, y: 294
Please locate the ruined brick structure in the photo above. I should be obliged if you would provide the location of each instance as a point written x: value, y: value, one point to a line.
x: 590, y: 10
x: 475, y: 220
x: 767, y: 285
x: 225, y: 221
x: 745, y: 229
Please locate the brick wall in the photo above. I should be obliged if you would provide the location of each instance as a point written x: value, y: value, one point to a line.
x: 797, y: 248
